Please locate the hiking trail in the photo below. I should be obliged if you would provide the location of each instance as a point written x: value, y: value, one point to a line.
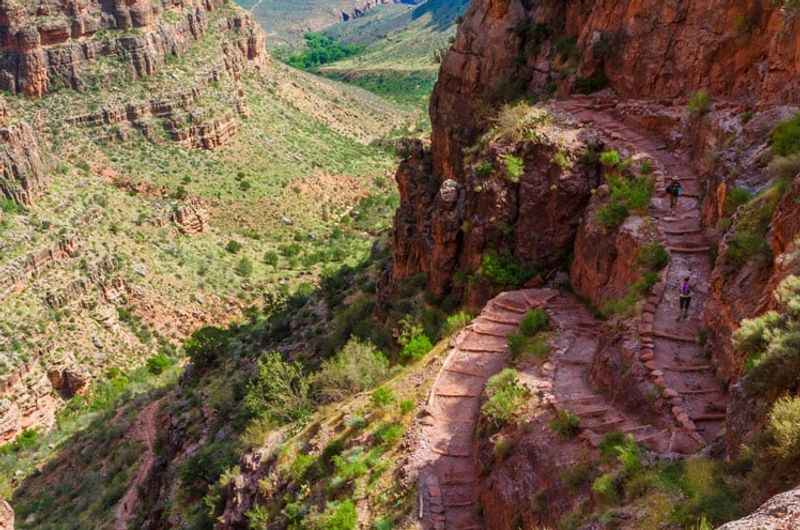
x: 670, y: 349
x: 145, y: 431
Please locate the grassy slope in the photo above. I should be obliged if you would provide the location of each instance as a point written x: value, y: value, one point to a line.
x: 398, y: 61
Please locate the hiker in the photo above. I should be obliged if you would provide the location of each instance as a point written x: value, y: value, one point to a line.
x: 674, y: 189
x: 685, y: 297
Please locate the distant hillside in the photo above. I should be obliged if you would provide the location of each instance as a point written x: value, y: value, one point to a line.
x: 401, y: 42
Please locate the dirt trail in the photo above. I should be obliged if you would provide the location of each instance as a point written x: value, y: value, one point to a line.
x: 671, y: 349
x: 449, y: 474
x: 145, y: 431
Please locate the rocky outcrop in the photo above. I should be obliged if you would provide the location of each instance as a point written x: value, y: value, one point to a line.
x: 16, y: 275
x: 745, y: 291
x: 22, y: 165
x: 26, y: 400
x: 640, y: 49
x: 6, y: 516
x: 446, y: 226
x: 191, y: 217
x: 781, y: 512
x: 604, y: 265
x: 49, y: 46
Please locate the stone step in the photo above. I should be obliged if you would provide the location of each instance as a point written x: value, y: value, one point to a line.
x: 689, y: 250
x: 489, y: 332
x: 590, y: 412
x: 499, y: 319
x: 509, y: 307
x: 606, y: 426
x: 684, y: 232
x: 710, y: 417
x: 483, y: 349
x: 670, y: 336
x: 689, y: 368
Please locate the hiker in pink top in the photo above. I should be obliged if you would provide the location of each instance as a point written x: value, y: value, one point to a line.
x: 686, y: 290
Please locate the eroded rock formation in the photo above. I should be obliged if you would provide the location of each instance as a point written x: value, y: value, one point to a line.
x: 781, y: 512
x: 6, y: 516
x: 22, y: 165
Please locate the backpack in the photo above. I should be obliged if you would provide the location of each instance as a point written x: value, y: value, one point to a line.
x: 686, y: 289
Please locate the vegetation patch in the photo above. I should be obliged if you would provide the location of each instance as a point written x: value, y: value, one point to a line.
x: 506, y: 397
x: 321, y: 49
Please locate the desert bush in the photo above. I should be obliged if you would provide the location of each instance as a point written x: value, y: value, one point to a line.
x: 271, y: 258
x: 233, y: 246
x: 416, y: 348
x: 518, y: 122
x: 605, y: 488
x: 358, y: 366
x: 382, y: 397
x: 279, y: 391
x: 652, y: 256
x: 506, y: 396
x: 504, y: 270
x: 785, y: 167
x: 338, y: 515
x: 786, y: 137
x: 612, y: 215
x: 484, y: 168
x: 456, y: 322
x: 566, y: 424
x: 610, y: 158
x: 784, y: 426
x: 159, y: 363
x: 389, y: 434
x: 699, y: 103
x: 244, y: 267
x: 752, y: 224
x: 515, y: 167
x: 736, y: 197
x: 533, y: 322
x: 206, y: 346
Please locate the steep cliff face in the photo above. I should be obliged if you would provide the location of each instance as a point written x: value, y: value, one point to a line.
x: 47, y: 44
x: 642, y: 49
x: 22, y: 164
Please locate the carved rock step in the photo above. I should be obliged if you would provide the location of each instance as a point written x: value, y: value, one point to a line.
x: 701, y: 392
x: 688, y: 368
x: 671, y: 336
x: 710, y: 417
x: 496, y: 318
x: 688, y: 250
x: 509, y: 307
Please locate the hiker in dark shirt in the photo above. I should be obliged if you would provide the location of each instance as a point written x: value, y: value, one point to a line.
x: 685, y: 298
x: 674, y: 190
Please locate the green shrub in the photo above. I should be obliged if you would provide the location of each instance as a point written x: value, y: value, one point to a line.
x: 484, y: 168
x: 233, y: 246
x: 245, y: 267
x: 383, y: 524
x: 784, y: 426
x: 610, y: 158
x: 605, y: 487
x: 699, y: 103
x: 159, y: 363
x: 786, y: 137
x: 634, y: 193
x: 652, y: 256
x: 456, y: 322
x: 518, y: 122
x: 506, y: 395
x: 785, y: 167
x: 338, y: 516
x: 515, y: 167
x: 300, y: 466
x: 271, y: 258
x: 279, y: 391
x: 566, y: 424
x: 504, y: 270
x: 533, y: 322
x: 612, y: 215
x: 389, y: 433
x: 382, y: 397
x: 416, y: 348
x: 406, y: 406
x: 358, y: 366
x: 736, y: 197
x: 206, y: 346
x: 10, y: 207
x: 578, y: 475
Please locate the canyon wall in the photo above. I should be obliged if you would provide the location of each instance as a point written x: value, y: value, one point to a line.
x: 22, y: 165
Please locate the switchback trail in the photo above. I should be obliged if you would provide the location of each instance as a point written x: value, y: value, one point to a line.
x: 145, y: 431
x: 671, y: 349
